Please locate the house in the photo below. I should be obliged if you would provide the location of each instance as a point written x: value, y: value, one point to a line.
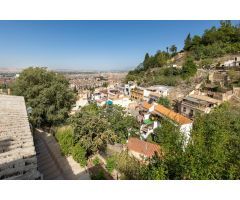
x: 123, y: 101
x: 235, y: 62
x: 141, y: 149
x: 154, y: 96
x: 184, y: 123
x: 115, y: 93
x: 194, y: 103
x: 153, y: 115
x: 162, y: 90
x: 128, y: 87
x: 215, y: 92
x: 137, y: 93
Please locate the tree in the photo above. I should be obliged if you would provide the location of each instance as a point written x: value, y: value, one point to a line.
x: 146, y: 57
x: 47, y: 92
x: 213, y: 150
x: 172, y: 142
x: 105, y: 84
x: 161, y: 58
x: 189, y: 68
x: 164, y: 101
x: 91, y: 129
x: 121, y: 123
x: 188, y: 43
x: 173, y: 50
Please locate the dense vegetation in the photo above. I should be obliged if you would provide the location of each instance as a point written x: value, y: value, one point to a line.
x: 215, y: 42
x: 164, y: 101
x: 47, y: 93
x: 92, y: 128
x: 157, y: 73
x: 212, y: 152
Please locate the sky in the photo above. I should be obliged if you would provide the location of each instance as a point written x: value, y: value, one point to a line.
x: 90, y: 45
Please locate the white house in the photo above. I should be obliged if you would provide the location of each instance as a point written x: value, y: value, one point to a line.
x: 161, y: 112
x: 161, y: 89
x: 124, y: 102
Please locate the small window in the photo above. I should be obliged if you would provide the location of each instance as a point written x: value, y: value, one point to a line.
x: 191, y: 113
x: 184, y: 109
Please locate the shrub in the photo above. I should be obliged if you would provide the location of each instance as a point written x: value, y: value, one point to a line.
x: 111, y: 164
x: 98, y: 176
x: 96, y: 161
x: 164, y: 101
x: 79, y: 155
x: 64, y: 136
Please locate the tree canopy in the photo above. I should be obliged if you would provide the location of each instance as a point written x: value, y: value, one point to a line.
x: 215, y: 42
x: 48, y: 94
x: 95, y: 126
x: 212, y: 152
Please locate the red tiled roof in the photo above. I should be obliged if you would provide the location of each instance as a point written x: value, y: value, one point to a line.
x: 145, y: 148
x: 180, y: 119
x: 146, y: 105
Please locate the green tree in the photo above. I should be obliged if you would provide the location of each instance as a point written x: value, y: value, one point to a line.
x: 105, y: 84
x: 173, y: 50
x: 121, y: 123
x: 213, y: 150
x: 188, y: 42
x: 91, y: 130
x: 164, y: 101
x: 189, y: 68
x: 47, y: 92
x: 146, y: 58
x: 172, y: 142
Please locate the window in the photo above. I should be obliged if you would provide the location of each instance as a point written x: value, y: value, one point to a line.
x: 191, y: 113
x: 184, y: 109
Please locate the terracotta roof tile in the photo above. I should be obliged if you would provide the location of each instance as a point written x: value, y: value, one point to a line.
x: 145, y: 148
x: 146, y: 105
x: 180, y: 119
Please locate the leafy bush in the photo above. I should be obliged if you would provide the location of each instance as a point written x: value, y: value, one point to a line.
x: 96, y: 161
x: 99, y: 176
x: 64, y: 136
x: 79, y: 155
x: 111, y: 164
x: 164, y: 101
x: 189, y: 68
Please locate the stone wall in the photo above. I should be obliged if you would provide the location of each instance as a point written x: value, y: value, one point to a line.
x: 17, y: 152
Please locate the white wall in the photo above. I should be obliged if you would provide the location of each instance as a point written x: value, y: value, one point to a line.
x: 186, y: 130
x: 122, y: 102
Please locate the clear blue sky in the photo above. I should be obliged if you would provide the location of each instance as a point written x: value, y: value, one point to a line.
x: 90, y: 45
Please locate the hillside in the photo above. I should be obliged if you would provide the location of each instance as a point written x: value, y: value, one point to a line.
x: 172, y: 68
